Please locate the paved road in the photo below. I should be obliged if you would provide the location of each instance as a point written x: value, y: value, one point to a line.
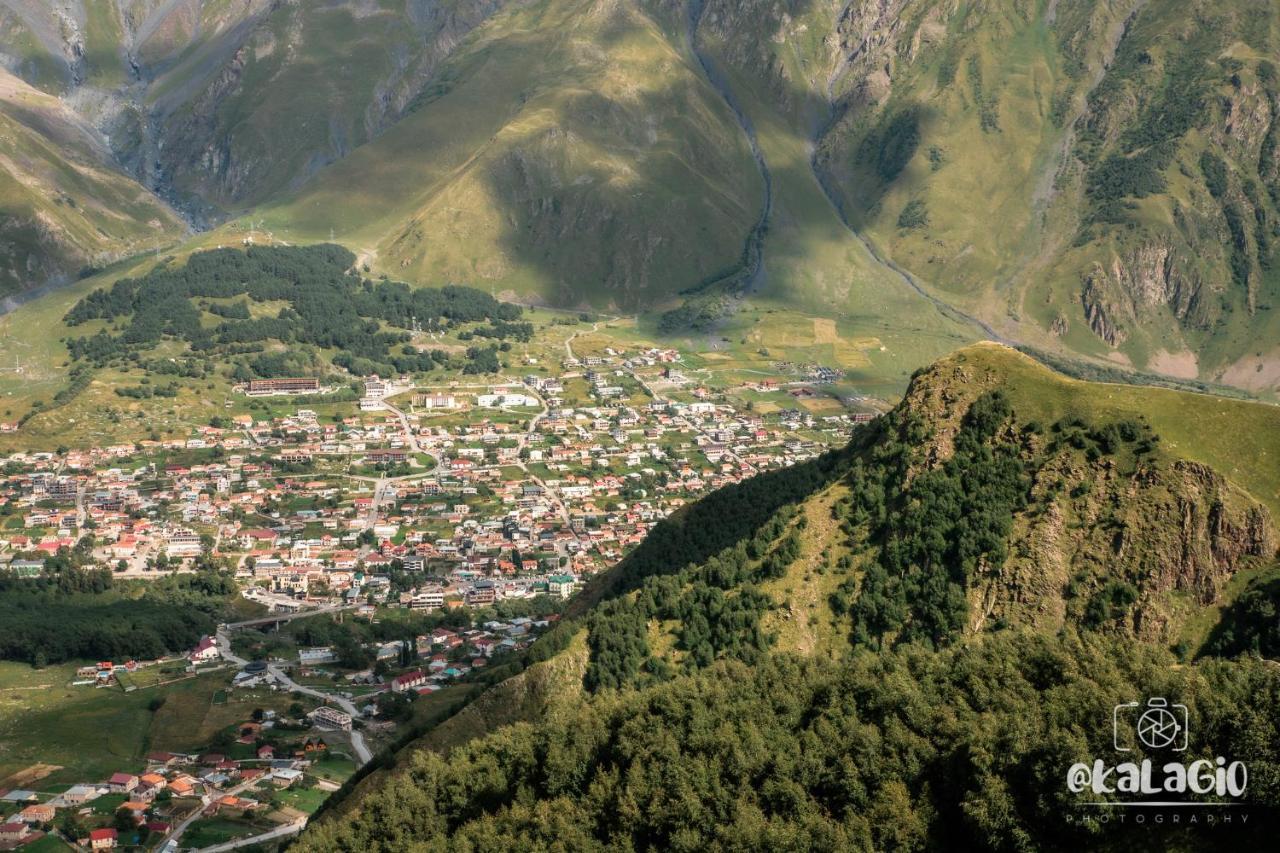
x: 283, y: 831
x: 363, y: 753
x: 286, y: 617
x: 382, y: 484
x: 81, y: 514
x: 408, y: 430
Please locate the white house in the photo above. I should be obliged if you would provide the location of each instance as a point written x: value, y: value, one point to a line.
x: 205, y: 650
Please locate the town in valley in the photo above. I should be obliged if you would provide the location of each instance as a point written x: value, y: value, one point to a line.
x: 386, y: 554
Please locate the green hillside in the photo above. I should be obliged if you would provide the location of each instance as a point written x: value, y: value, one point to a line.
x: 1098, y: 180
x: 904, y: 643
x: 601, y: 167
x: 65, y: 207
x: 223, y: 104
x: 1093, y: 178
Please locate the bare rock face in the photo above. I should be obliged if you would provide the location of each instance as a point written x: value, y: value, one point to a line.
x: 1248, y: 115
x: 1172, y: 532
x: 1167, y: 531
x: 1099, y: 313
x: 867, y: 35
x: 1150, y: 276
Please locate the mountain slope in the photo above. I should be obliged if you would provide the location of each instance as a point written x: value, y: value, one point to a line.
x: 964, y: 749
x: 901, y: 644
x: 1091, y: 177
x: 64, y: 205
x: 601, y: 166
x: 220, y: 105
x: 563, y: 148
x: 1098, y: 179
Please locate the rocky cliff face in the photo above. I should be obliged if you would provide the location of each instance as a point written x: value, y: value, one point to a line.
x: 1115, y: 534
x: 1076, y: 180
x: 1172, y: 533
x: 1138, y: 286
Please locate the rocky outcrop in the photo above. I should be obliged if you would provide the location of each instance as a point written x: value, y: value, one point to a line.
x: 1169, y: 532
x: 1248, y: 113
x: 1148, y: 276
x: 1172, y: 531
x: 1099, y: 313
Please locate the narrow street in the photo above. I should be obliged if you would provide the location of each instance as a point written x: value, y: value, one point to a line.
x: 205, y: 800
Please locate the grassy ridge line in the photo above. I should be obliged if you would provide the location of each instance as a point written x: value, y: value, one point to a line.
x: 1238, y: 438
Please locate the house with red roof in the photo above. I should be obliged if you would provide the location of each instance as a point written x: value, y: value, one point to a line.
x: 122, y: 783
x: 102, y: 839
x: 408, y: 681
x: 205, y: 650
x: 13, y: 833
x: 257, y: 538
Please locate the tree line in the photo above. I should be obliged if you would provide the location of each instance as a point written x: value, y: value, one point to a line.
x: 328, y: 307
x: 74, y: 612
x: 905, y: 749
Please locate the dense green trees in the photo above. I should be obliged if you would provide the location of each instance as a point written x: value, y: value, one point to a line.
x: 725, y: 517
x: 911, y: 749
x: 889, y: 148
x: 1251, y: 624
x: 328, y: 308
x: 932, y: 532
x: 79, y: 614
x: 700, y: 567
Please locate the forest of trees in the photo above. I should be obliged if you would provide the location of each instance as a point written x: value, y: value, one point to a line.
x: 79, y: 613
x: 700, y: 566
x: 329, y: 308
x: 717, y: 605
x: 932, y: 532
x: 907, y: 749
x: 1251, y: 624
